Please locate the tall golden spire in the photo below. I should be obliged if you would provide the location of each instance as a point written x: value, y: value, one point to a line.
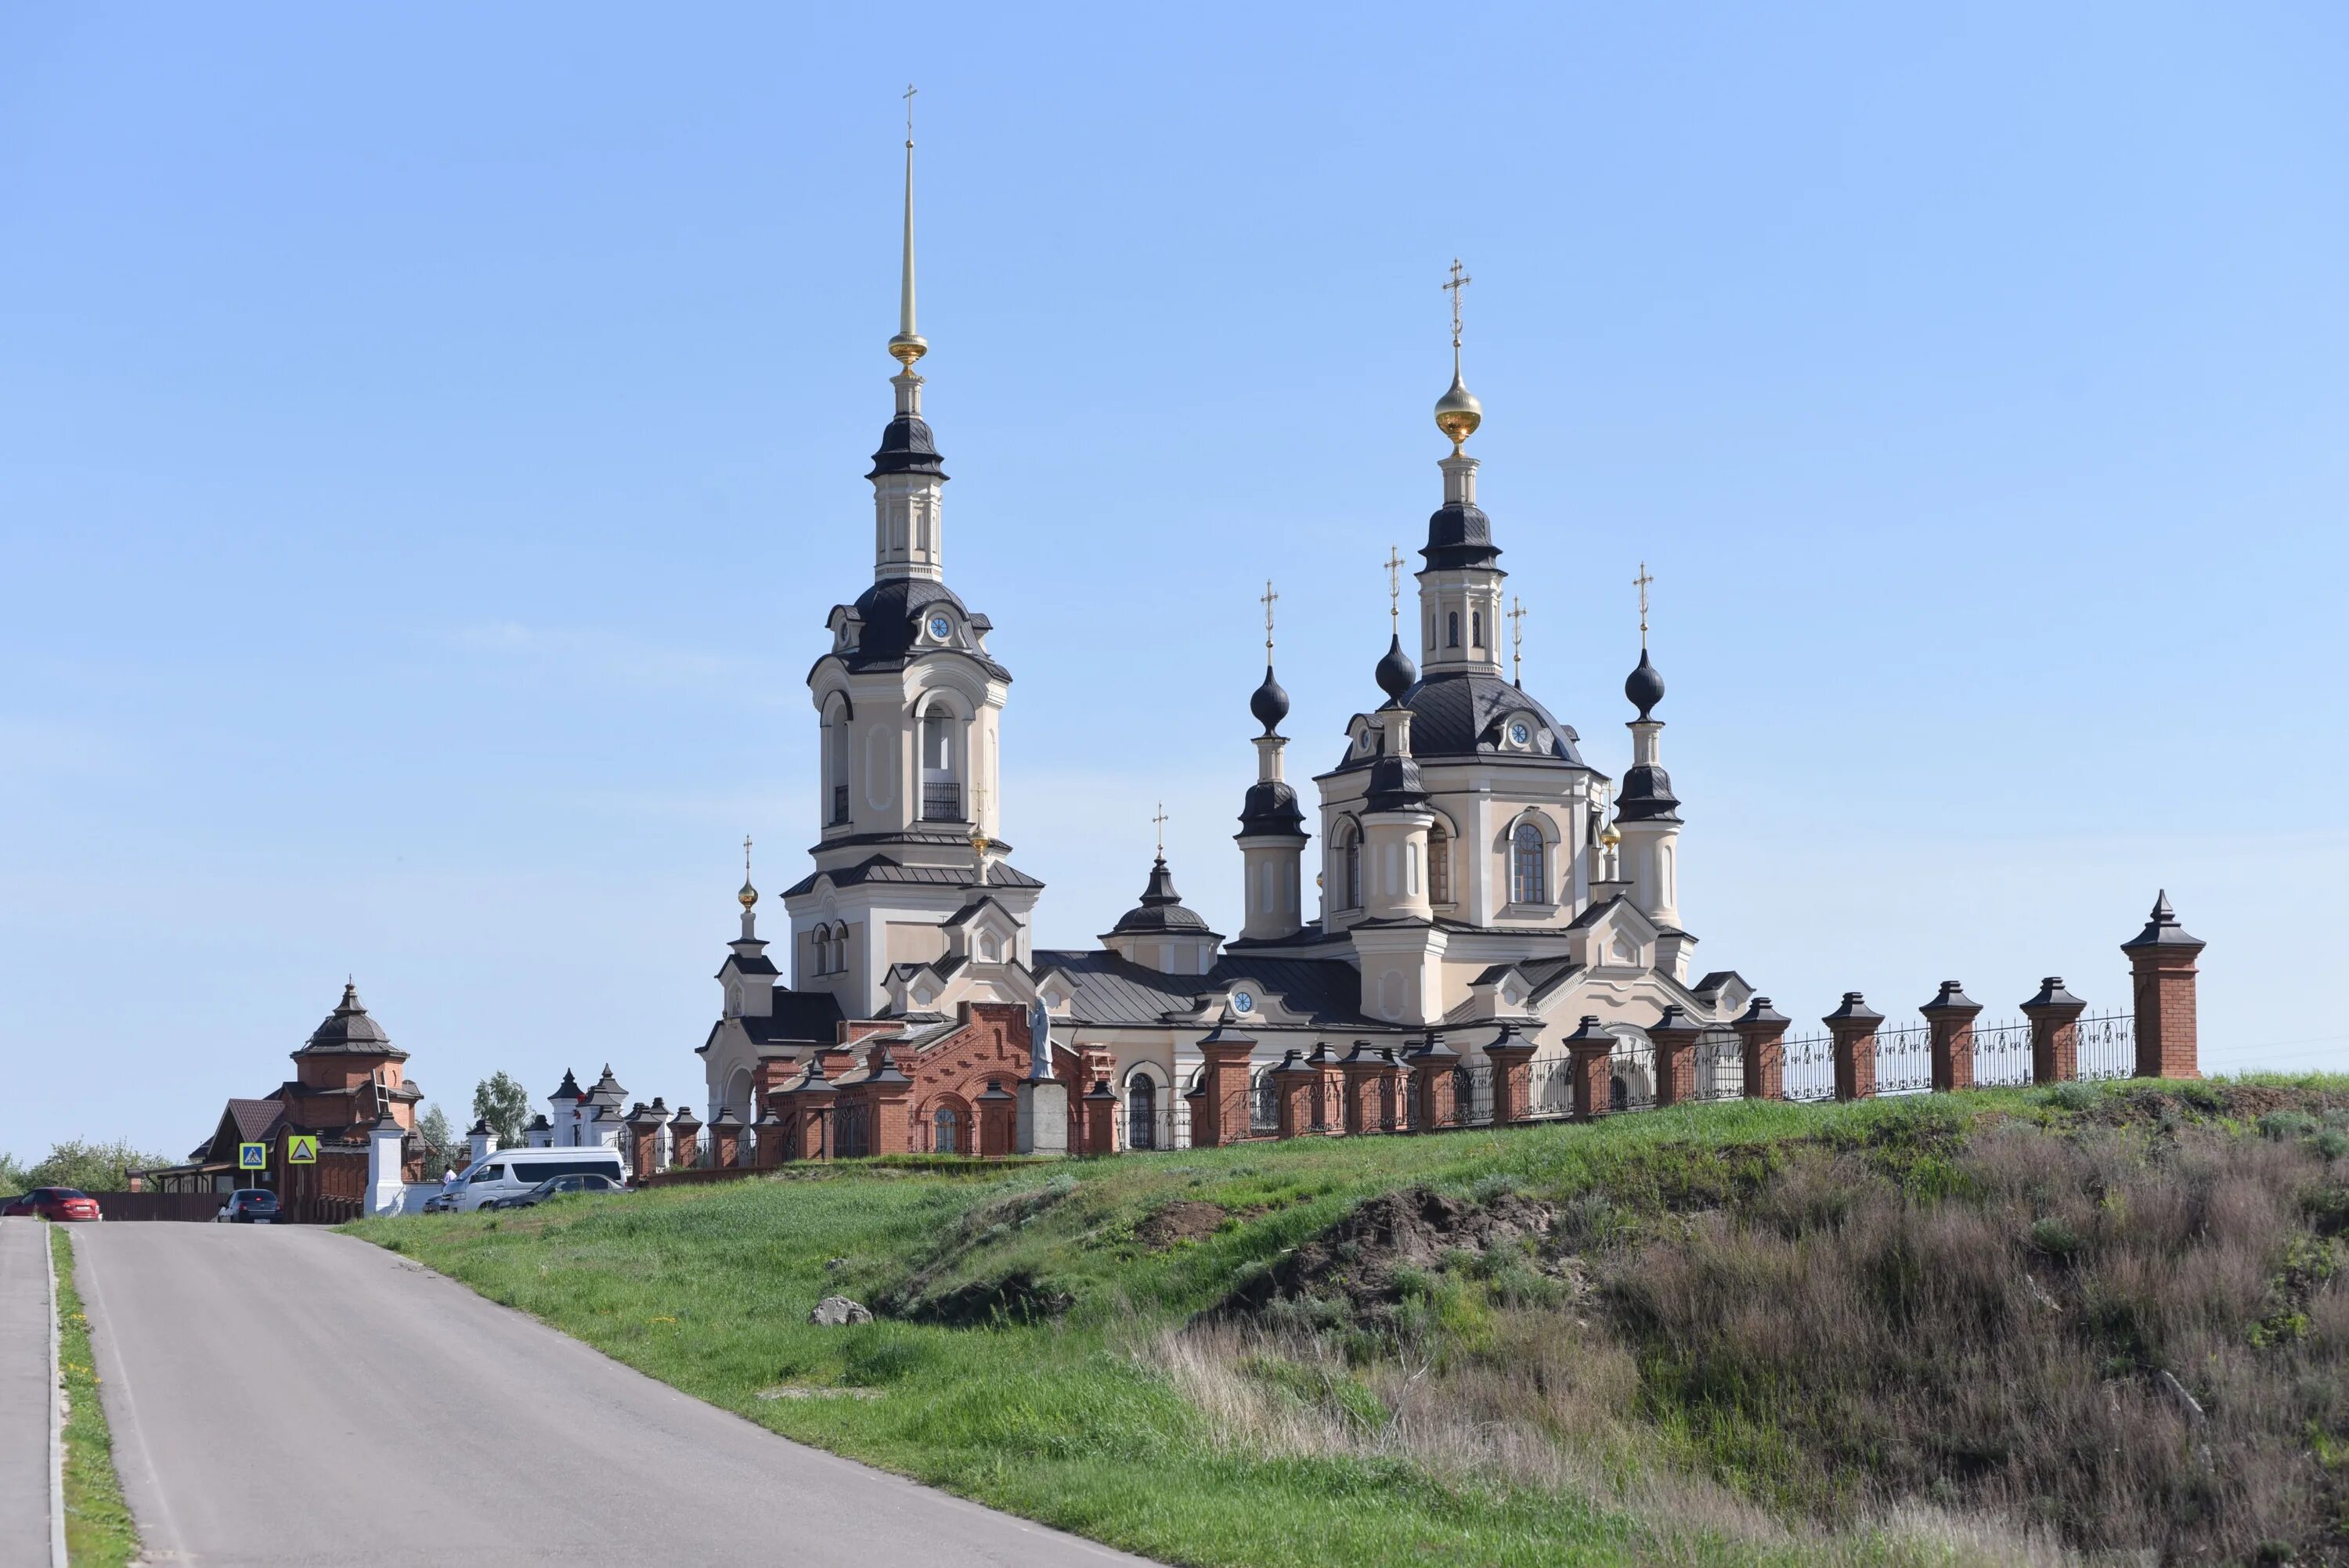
x: 908, y: 345
x: 1457, y: 412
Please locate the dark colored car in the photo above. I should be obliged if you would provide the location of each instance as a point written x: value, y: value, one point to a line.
x: 249, y: 1206
x: 557, y: 1186
x: 54, y: 1203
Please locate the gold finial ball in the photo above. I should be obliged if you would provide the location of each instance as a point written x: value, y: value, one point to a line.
x: 1610, y: 838
x: 1457, y: 412
x: 907, y: 347
x: 749, y: 895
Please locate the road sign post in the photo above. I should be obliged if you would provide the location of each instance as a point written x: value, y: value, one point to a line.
x: 302, y: 1148
x: 252, y: 1157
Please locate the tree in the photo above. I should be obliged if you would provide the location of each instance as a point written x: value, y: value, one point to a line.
x: 447, y: 1150
x: 92, y: 1167
x: 12, y: 1176
x: 501, y: 1102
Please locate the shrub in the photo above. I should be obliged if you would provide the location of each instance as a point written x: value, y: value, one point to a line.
x: 2072, y: 1097
x: 2054, y: 1236
x: 2282, y: 1125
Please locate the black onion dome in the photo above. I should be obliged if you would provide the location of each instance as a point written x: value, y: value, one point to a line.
x: 1645, y: 686
x: 1271, y: 808
x: 1396, y: 672
x: 1459, y: 534
x: 1268, y: 703
x: 1647, y: 795
x: 907, y: 448
x: 1161, y: 908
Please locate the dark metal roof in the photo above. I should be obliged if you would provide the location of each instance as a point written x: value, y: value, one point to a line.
x: 348, y: 1030
x: 1458, y: 714
x: 800, y: 1017
x: 1161, y: 908
x: 1459, y: 534
x: 889, y: 617
x: 1643, y: 686
x: 1647, y: 795
x: 1110, y: 990
x: 1271, y: 808
x: 2162, y: 930
x: 907, y: 446
x: 1268, y: 702
x: 882, y: 869
x: 1395, y: 672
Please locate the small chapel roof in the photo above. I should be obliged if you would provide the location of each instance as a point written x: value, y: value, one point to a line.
x: 349, y: 1030
x: 1161, y: 908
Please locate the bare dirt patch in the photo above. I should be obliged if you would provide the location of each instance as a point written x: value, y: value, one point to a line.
x: 1184, y: 1221
x: 1358, y: 1258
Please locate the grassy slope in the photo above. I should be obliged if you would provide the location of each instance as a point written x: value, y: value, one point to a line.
x: 99, y: 1530
x: 1074, y: 1421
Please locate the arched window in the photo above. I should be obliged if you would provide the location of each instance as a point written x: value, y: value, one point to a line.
x: 946, y: 1131
x: 1528, y: 882
x: 819, y: 945
x: 941, y: 791
x: 1476, y: 628
x: 1439, y: 865
x: 1349, y: 868
x: 835, y: 764
x: 1430, y: 633
x: 1451, y: 629
x: 1141, y: 1112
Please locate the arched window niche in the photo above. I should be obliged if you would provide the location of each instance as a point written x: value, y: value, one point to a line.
x: 1350, y: 866
x: 1528, y: 865
x: 1439, y: 863
x: 941, y: 781
x: 1451, y: 629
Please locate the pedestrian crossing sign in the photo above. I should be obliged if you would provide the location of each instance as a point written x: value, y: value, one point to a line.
x: 302, y: 1148
x: 252, y: 1157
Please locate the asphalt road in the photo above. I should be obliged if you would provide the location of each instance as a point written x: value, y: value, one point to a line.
x: 25, y: 1394
x: 291, y: 1395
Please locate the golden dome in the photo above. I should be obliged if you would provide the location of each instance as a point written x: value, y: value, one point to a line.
x: 1610, y: 838
x: 1457, y: 412
x: 749, y: 895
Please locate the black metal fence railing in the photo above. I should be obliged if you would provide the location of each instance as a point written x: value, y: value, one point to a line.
x: 1904, y: 1060
x: 1264, y: 1104
x: 2105, y: 1046
x: 839, y: 807
x: 1472, y: 1096
x: 1720, y: 1064
x: 2002, y: 1055
x: 941, y: 803
x: 1549, y: 1090
x: 1166, y: 1128
x: 1631, y: 1076
x: 1808, y: 1062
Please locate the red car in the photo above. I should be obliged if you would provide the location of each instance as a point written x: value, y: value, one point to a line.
x: 54, y: 1203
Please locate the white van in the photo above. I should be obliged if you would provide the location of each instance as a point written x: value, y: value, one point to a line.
x: 510, y: 1172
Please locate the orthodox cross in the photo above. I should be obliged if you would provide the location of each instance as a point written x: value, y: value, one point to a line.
x: 1394, y: 589
x: 1641, y: 583
x: 1269, y: 599
x: 1517, y: 642
x: 1161, y: 819
x: 1459, y: 281
x: 910, y: 91
x: 746, y: 857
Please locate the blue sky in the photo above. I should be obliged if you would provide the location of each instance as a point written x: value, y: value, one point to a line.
x: 431, y: 437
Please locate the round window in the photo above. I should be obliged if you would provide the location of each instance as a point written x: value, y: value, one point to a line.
x: 1243, y: 1002
x: 1518, y: 733
x: 940, y: 627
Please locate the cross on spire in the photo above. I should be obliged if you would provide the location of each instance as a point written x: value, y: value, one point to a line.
x: 910, y: 90
x: 1394, y: 564
x: 1517, y: 642
x: 1460, y: 280
x: 746, y: 857
x: 1641, y: 583
x: 1269, y: 599
x: 1161, y: 820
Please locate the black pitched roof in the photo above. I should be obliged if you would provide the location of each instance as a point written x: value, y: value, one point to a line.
x: 1647, y: 795
x: 1458, y: 714
x: 799, y: 1016
x: 1110, y: 990
x: 1271, y: 809
x: 1161, y: 907
x: 882, y: 869
x: 349, y: 1031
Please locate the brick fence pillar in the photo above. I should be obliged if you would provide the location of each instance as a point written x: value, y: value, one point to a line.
x: 1100, y: 1118
x: 1588, y: 1050
x: 1511, y: 1055
x: 1294, y: 1083
x: 1328, y: 1090
x: 1225, y: 1077
x: 2162, y: 968
x: 1853, y: 1027
x: 995, y: 1106
x: 1386, y: 1094
x: 773, y: 1142
x: 1432, y: 1083
x: 890, y: 1101
x: 1361, y: 1068
x: 1762, y: 1032
x: 684, y: 1140
x: 725, y: 1138
x: 1673, y: 1035
x: 1950, y: 1018
x: 644, y: 1139
x: 2054, y: 1014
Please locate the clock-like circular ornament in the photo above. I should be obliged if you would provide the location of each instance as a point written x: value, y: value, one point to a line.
x: 1243, y: 1002
x: 940, y: 627
x: 1518, y: 733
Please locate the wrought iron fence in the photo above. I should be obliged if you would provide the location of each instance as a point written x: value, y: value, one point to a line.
x: 1808, y: 1066
x: 2002, y: 1055
x: 1168, y: 1128
x: 1632, y: 1075
x: 942, y: 802
x: 1264, y: 1103
x: 1549, y: 1090
x: 2104, y: 1046
x: 1904, y: 1060
x: 1720, y: 1064
x: 1472, y: 1096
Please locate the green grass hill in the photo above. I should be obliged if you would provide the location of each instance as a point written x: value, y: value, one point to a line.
x: 2083, y: 1324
